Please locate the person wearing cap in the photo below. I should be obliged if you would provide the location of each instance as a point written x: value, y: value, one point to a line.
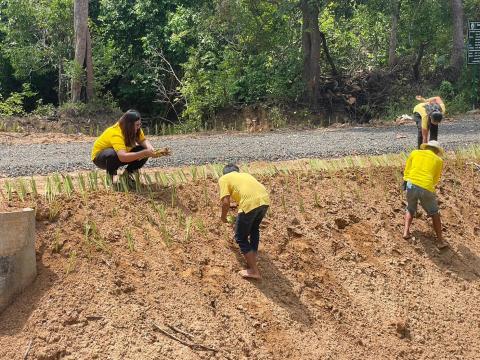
x: 253, y: 202
x: 428, y: 114
x: 123, y: 143
x: 422, y: 173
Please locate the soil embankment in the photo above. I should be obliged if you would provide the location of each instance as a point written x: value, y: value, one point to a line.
x: 339, y: 282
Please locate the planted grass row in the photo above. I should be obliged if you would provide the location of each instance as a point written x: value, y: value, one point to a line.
x: 66, y: 184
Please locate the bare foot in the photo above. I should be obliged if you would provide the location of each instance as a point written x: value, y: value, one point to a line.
x: 249, y: 274
x: 407, y: 236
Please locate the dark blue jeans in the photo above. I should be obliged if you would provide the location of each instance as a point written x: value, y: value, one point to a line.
x: 432, y: 129
x: 247, y: 229
x: 108, y: 160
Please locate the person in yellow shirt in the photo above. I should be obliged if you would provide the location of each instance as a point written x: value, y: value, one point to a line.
x: 253, y: 202
x: 428, y: 114
x: 422, y: 173
x: 122, y: 144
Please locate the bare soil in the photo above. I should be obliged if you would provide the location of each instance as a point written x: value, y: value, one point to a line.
x: 339, y: 282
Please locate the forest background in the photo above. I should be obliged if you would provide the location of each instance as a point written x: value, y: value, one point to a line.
x: 191, y: 63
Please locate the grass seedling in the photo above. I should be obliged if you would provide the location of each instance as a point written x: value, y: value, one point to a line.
x: 188, y: 227
x: 138, y: 183
x: 167, y: 238
x: 284, y: 202
x: 316, y: 200
x: 54, y: 209
x: 200, y: 225
x: 57, y: 182
x: 9, y: 190
x: 130, y: 240
x: 68, y: 185
x: 123, y: 183
x: 205, y: 193
x: 33, y: 186
x: 301, y: 206
x: 81, y: 183
x: 20, y: 189
x: 56, y: 246
x: 72, y: 261
x: 193, y: 173
x: 49, y: 193
x: 173, y: 196
x: 93, y: 237
x: 93, y: 181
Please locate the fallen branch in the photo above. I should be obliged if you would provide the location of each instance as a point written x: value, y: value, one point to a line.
x: 190, y: 345
x: 28, y: 349
x: 190, y: 336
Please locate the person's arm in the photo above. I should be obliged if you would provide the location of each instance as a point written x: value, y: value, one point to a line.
x: 225, y: 206
x: 147, y: 145
x: 435, y: 100
x: 424, y: 136
x: 128, y: 157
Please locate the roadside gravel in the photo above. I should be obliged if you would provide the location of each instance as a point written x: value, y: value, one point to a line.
x: 41, y: 159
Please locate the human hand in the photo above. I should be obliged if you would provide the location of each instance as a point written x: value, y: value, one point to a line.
x: 161, y: 152
x: 148, y: 153
x: 420, y: 98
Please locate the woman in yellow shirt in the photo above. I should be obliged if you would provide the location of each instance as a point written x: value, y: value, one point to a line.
x: 122, y: 144
x: 428, y: 114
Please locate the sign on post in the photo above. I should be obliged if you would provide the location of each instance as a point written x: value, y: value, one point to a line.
x: 473, y: 43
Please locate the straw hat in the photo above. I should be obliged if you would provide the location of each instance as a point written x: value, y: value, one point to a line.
x: 434, y: 144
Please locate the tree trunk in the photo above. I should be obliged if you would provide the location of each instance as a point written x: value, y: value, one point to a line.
x: 311, y: 51
x: 327, y: 54
x: 456, y: 60
x: 416, y: 66
x: 83, y: 53
x: 89, y: 64
x: 61, y: 85
x: 392, y: 49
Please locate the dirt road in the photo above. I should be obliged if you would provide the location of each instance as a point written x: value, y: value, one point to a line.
x: 58, y: 153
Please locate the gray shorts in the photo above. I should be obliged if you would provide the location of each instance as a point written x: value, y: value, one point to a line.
x: 427, y: 199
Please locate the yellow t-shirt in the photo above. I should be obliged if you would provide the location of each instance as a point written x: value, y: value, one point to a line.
x: 244, y: 189
x: 423, y: 168
x: 422, y: 111
x: 112, y: 137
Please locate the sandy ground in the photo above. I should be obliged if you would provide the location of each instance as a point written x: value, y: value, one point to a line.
x: 339, y: 282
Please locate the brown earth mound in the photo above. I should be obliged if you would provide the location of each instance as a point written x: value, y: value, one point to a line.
x: 120, y: 271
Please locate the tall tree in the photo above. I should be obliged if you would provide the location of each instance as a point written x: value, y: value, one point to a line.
x: 83, y: 52
x: 311, y: 42
x: 456, y: 59
x: 392, y: 49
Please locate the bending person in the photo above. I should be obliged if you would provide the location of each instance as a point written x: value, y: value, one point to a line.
x: 122, y: 144
x: 253, y: 201
x: 428, y: 114
x: 422, y: 173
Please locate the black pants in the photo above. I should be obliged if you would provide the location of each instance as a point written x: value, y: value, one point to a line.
x: 247, y: 229
x: 108, y: 160
x: 432, y: 129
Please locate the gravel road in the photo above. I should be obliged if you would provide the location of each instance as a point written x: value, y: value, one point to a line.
x: 40, y: 159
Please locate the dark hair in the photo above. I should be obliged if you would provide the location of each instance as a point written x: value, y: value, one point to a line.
x: 436, y: 116
x: 230, y: 168
x: 127, y: 124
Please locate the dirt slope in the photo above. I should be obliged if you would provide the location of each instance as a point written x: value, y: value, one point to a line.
x: 339, y: 282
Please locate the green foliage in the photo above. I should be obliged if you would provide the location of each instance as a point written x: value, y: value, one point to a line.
x: 446, y: 90
x: 14, y: 104
x: 97, y: 106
